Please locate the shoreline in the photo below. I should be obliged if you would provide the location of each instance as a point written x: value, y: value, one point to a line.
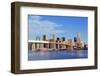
x: 56, y: 50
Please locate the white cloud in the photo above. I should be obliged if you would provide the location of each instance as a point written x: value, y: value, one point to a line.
x: 39, y: 26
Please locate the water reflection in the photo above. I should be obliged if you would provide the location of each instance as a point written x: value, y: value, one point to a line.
x: 75, y: 54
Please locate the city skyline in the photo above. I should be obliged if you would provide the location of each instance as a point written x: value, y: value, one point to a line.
x: 62, y: 26
x: 56, y: 43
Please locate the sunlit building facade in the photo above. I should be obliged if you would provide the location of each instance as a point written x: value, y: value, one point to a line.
x: 56, y: 43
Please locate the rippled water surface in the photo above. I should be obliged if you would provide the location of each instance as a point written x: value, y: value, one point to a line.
x: 75, y: 54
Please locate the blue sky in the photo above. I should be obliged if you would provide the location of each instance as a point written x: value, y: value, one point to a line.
x: 62, y: 26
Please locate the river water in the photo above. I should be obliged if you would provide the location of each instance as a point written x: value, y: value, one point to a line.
x: 53, y: 55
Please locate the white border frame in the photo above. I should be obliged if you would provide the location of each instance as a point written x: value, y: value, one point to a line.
x: 25, y: 64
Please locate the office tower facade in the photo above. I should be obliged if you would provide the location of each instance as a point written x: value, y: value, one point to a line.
x: 75, y: 39
x: 63, y: 38
x: 44, y: 37
x: 38, y: 38
x: 79, y: 42
x: 57, y: 43
x: 58, y: 39
x: 78, y: 38
x: 70, y: 44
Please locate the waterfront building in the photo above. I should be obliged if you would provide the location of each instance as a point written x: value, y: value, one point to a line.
x: 75, y: 39
x: 56, y: 43
x: 44, y: 37
x: 63, y: 39
x: 82, y: 43
x: 78, y: 41
x: 85, y: 46
x: 70, y: 44
x: 78, y: 38
x: 38, y: 38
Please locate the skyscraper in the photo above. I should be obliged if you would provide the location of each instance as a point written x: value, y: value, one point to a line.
x: 75, y: 39
x: 44, y: 37
x: 63, y: 38
x: 58, y: 39
x: 37, y: 38
x: 78, y: 38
